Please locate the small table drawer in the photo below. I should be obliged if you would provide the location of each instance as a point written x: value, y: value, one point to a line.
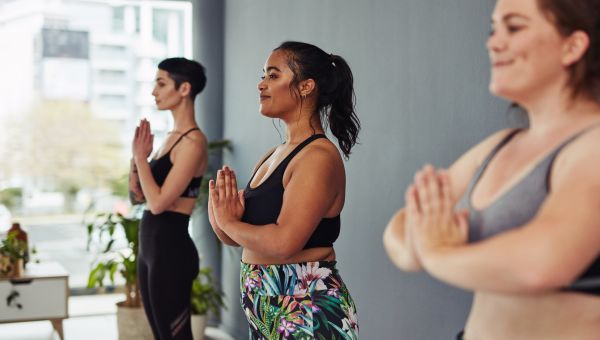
x: 39, y: 298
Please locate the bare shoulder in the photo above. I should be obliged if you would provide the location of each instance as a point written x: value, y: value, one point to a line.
x: 197, y: 138
x: 320, y: 155
x: 580, y: 158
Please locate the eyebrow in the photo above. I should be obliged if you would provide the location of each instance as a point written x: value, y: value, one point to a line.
x: 510, y: 16
x: 269, y: 68
x: 159, y: 78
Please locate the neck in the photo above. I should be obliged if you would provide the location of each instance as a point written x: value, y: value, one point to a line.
x: 302, y: 127
x: 184, y: 116
x: 549, y: 112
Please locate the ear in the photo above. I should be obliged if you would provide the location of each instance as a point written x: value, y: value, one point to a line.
x: 184, y: 89
x: 306, y: 87
x: 575, y: 47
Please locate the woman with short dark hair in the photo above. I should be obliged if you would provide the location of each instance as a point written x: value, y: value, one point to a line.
x: 169, y: 185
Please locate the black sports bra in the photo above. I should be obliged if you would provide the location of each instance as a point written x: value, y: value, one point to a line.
x: 263, y: 203
x: 160, y: 168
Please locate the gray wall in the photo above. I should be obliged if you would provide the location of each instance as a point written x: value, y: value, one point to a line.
x: 421, y: 74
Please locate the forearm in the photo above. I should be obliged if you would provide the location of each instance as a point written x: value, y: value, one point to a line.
x: 263, y: 239
x: 149, y: 187
x: 398, y: 246
x: 136, y: 196
x: 222, y: 236
x: 504, y: 264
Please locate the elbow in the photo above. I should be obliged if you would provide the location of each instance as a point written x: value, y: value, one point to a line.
x: 230, y: 243
x: 285, y: 252
x: 398, y: 254
x: 156, y: 209
x: 544, y: 278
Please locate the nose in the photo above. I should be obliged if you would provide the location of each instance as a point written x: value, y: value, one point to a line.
x: 496, y: 42
x: 261, y: 85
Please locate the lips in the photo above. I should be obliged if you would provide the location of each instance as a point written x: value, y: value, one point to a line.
x: 261, y: 98
x: 501, y: 63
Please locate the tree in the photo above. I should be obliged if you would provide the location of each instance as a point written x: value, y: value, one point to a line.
x: 61, y: 145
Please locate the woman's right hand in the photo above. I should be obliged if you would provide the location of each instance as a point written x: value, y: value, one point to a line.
x: 142, y: 140
x: 211, y: 213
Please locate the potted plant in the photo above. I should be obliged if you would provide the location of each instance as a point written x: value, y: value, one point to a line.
x: 205, y: 297
x: 105, y: 232
x: 13, y: 252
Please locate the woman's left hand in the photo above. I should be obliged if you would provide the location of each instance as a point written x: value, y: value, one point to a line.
x: 227, y: 202
x: 142, y: 140
x: 436, y: 225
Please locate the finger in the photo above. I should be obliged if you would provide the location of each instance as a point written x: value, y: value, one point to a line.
x: 447, y: 201
x: 242, y: 198
x: 227, y: 184
x: 234, y: 186
x: 137, y: 132
x: 422, y: 192
x: 220, y: 184
x: 411, y: 204
x: 213, y: 194
x: 433, y: 189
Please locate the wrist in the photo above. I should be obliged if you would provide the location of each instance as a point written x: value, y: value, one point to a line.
x: 137, y: 159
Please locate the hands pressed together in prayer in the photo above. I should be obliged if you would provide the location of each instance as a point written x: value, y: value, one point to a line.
x: 225, y: 202
x: 142, y: 140
x: 431, y: 223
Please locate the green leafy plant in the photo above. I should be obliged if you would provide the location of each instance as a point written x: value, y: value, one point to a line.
x: 11, y: 250
x: 205, y: 294
x: 102, y: 232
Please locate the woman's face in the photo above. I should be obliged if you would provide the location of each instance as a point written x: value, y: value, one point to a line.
x: 275, y: 95
x: 164, y: 92
x: 525, y: 51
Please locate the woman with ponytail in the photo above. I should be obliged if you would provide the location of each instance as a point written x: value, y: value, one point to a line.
x: 288, y: 217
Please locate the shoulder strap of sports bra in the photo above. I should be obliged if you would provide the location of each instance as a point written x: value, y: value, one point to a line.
x: 283, y: 165
x: 488, y: 159
x: 181, y: 137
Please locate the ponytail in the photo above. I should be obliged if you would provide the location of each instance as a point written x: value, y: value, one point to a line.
x: 343, y: 121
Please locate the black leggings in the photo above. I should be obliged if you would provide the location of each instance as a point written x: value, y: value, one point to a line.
x: 167, y: 265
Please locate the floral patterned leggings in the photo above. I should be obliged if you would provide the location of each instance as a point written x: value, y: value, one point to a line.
x: 297, y: 301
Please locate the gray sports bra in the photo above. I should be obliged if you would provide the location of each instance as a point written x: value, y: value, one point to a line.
x: 520, y: 204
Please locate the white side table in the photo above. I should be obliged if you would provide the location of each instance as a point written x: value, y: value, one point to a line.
x: 40, y: 294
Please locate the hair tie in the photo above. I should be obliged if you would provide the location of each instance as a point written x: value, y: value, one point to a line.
x: 332, y: 59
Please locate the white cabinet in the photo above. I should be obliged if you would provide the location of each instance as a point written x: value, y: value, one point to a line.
x: 40, y: 294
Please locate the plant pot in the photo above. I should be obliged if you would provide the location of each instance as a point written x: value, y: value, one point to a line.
x: 19, y: 268
x: 132, y: 323
x: 198, y: 326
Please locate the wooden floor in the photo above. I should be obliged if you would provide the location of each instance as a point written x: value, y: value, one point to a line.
x: 91, y: 318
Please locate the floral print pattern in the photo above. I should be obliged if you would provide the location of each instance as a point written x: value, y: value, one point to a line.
x: 297, y: 301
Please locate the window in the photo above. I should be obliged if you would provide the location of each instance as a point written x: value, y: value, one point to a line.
x: 72, y: 99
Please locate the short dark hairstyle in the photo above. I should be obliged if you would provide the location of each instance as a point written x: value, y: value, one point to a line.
x: 184, y: 70
x: 569, y: 16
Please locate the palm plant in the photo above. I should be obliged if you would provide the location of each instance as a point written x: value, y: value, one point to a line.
x: 103, y: 232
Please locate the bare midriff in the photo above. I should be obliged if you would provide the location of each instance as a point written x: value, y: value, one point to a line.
x: 306, y: 255
x: 556, y: 315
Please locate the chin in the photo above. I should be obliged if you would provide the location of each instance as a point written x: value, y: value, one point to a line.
x: 505, y: 92
x: 266, y: 113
